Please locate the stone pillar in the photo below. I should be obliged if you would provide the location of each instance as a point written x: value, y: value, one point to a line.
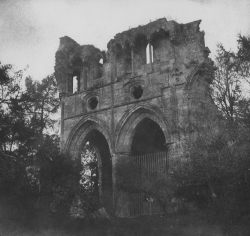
x: 61, y: 78
x: 82, y: 79
x: 85, y: 77
x: 121, y: 200
x: 169, y: 149
x: 124, y: 69
x: 132, y: 59
x: 78, y: 83
x: 69, y: 84
x: 113, y: 76
x: 114, y: 63
x: 62, y: 104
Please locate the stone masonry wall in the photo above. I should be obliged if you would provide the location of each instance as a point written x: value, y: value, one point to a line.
x: 115, y: 93
x: 177, y: 50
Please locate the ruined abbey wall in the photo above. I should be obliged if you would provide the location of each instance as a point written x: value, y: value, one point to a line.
x: 160, y: 71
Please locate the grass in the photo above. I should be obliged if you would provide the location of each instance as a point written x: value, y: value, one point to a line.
x: 15, y: 221
x: 160, y: 225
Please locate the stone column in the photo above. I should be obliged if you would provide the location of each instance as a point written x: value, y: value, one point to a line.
x: 69, y: 84
x: 78, y: 83
x: 132, y: 59
x: 82, y: 79
x: 85, y: 78
x: 124, y: 69
x: 114, y: 63
x: 62, y: 104
x: 61, y: 78
x: 113, y: 77
x: 169, y: 150
x: 121, y: 200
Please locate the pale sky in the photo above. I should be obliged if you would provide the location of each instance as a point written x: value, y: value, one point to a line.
x: 30, y: 29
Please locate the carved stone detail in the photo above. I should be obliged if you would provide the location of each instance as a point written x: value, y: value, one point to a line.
x: 177, y: 76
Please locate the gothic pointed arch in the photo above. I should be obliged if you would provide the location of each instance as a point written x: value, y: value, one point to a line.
x: 79, y: 133
x: 126, y: 127
x: 138, y: 37
x: 205, y: 71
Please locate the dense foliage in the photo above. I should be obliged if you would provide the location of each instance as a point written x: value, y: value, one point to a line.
x: 33, y: 171
x: 213, y: 172
x: 28, y: 141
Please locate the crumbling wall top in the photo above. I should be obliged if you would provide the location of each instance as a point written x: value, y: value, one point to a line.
x: 70, y: 53
x: 171, y: 27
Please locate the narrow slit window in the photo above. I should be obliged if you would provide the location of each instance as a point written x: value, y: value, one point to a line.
x: 76, y: 84
x: 148, y: 49
x: 99, y: 70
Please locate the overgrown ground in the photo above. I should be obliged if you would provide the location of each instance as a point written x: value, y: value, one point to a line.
x: 14, y: 221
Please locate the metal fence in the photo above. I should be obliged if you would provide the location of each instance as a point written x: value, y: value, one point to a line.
x: 153, y: 161
x: 142, y: 203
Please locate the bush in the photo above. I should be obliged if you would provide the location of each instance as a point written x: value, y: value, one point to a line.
x: 216, y: 175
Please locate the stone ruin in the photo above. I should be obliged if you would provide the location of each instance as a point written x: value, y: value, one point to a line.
x: 130, y: 100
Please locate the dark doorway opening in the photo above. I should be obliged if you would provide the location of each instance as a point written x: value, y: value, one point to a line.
x: 149, y: 153
x: 96, y: 175
x: 148, y: 138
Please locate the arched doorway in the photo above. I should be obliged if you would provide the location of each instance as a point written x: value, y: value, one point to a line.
x: 91, y: 135
x: 142, y: 115
x: 96, y: 174
x: 148, y: 138
x: 148, y: 151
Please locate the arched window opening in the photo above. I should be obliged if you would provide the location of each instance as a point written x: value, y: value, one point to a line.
x: 149, y: 51
x: 118, y: 51
x: 99, y: 69
x: 160, y: 45
x: 119, y: 60
x: 127, y: 58
x: 76, y: 84
x: 140, y: 57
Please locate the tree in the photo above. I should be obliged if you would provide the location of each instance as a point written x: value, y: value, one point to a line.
x: 11, y: 120
x: 40, y: 101
x: 226, y: 87
x: 90, y: 172
x: 31, y: 166
x: 25, y: 117
x: 59, y: 177
x: 243, y: 56
x: 213, y: 172
x: 10, y: 93
x: 230, y: 77
x: 9, y: 84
